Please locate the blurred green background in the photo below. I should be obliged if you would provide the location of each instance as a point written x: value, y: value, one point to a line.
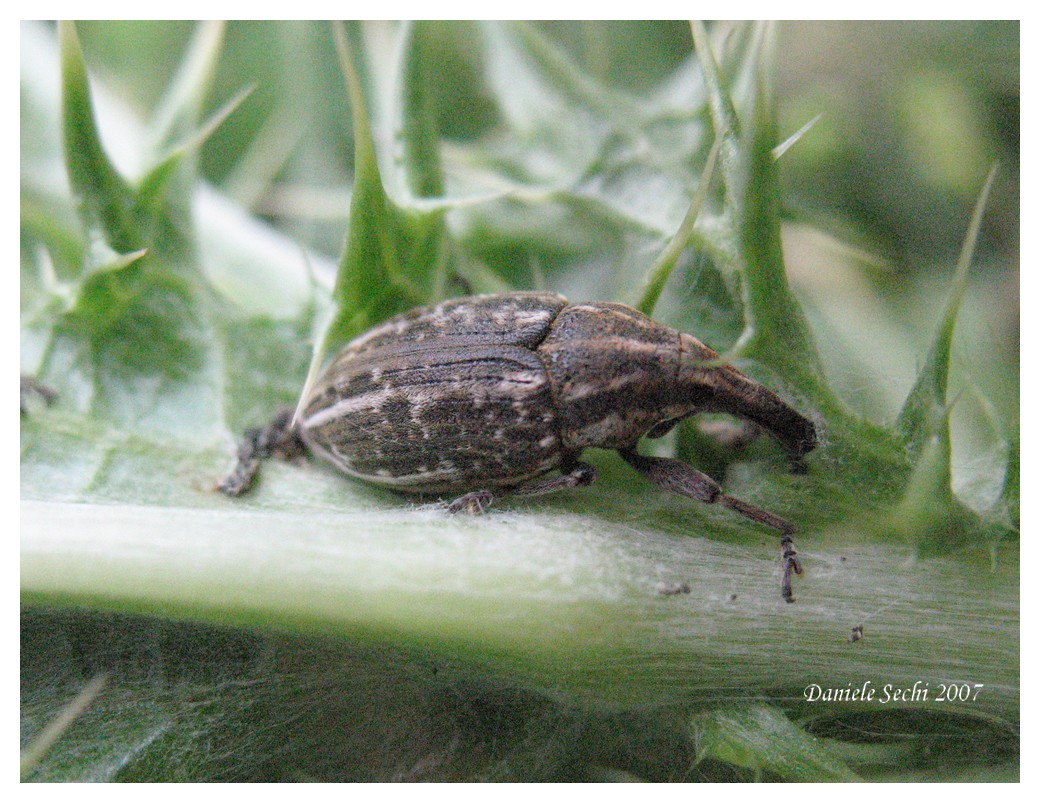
x: 912, y: 115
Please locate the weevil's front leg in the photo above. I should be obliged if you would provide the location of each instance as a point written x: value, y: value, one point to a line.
x: 576, y: 475
x: 277, y: 439
x: 680, y: 478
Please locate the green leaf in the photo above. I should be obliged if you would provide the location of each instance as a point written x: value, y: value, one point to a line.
x: 417, y: 124
x: 665, y: 262
x: 929, y: 511
x: 105, y: 199
x: 723, y: 113
x: 155, y: 183
x: 180, y: 109
x: 776, y: 332
x: 918, y: 417
x: 322, y: 629
x: 762, y: 739
x: 389, y: 250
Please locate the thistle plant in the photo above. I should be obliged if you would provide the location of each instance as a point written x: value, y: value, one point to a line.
x: 322, y: 629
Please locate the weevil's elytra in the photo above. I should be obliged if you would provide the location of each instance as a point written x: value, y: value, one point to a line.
x: 437, y: 419
x: 487, y: 395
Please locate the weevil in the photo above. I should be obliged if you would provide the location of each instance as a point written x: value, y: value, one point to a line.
x: 488, y: 396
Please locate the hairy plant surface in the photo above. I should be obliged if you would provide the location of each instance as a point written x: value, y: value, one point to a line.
x: 322, y: 629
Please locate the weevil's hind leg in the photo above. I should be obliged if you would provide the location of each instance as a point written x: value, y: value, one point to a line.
x: 680, y: 478
x: 277, y: 439
x: 576, y: 475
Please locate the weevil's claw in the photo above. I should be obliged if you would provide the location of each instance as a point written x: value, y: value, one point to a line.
x: 791, y: 566
x: 473, y: 503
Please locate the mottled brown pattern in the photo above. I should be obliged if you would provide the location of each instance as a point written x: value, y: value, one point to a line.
x: 517, y: 319
x: 442, y: 408
x: 494, y: 390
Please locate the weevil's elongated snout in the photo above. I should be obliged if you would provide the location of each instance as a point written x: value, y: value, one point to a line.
x: 729, y: 391
x: 795, y: 432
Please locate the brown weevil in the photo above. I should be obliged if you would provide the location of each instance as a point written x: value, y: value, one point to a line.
x: 484, y: 396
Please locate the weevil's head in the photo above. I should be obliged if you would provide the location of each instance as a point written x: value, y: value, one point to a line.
x: 705, y: 376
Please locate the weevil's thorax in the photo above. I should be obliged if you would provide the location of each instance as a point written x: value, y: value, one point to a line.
x: 613, y: 372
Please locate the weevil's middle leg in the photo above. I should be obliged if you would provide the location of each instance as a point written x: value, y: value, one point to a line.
x: 575, y: 475
x: 683, y: 479
x: 277, y: 439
